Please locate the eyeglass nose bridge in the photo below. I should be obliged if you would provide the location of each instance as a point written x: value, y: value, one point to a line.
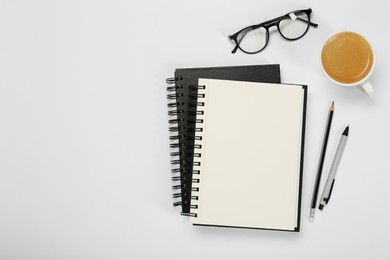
x: 268, y: 24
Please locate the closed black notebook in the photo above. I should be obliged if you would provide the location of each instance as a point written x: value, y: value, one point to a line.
x: 183, y: 102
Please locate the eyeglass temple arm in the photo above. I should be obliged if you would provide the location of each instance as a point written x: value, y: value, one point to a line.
x: 235, y: 47
x: 310, y: 23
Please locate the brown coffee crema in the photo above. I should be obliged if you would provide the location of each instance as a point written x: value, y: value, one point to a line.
x: 347, y: 57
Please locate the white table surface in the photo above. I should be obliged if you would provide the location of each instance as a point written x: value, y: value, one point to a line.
x: 84, y: 157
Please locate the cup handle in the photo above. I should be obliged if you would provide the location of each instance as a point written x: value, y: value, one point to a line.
x: 367, y: 88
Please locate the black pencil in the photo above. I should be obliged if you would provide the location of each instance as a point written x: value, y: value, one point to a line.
x: 321, y: 163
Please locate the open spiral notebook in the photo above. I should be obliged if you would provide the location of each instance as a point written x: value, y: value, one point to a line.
x: 248, y: 156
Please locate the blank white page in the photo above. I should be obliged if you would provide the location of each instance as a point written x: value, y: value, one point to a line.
x: 250, y: 163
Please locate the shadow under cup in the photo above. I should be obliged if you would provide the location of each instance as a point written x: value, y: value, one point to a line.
x: 347, y: 58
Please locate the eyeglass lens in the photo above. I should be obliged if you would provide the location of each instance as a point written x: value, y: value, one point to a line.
x: 294, y: 25
x: 253, y: 40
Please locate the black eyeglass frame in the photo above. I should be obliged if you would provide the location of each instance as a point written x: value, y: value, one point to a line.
x: 268, y: 24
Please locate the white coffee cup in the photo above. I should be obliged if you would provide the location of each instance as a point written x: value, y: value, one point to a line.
x: 345, y: 52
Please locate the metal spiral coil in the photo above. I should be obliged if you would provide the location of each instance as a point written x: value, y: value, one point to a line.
x: 174, y: 111
x: 185, y: 119
x: 195, y: 137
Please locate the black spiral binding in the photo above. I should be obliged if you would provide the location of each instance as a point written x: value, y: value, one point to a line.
x: 175, y: 109
x: 196, y: 143
x: 182, y: 112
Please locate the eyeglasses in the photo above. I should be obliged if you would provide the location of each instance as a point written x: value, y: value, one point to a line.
x: 292, y: 26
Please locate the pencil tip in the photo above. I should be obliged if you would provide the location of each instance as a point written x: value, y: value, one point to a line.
x: 346, y: 131
x: 332, y: 106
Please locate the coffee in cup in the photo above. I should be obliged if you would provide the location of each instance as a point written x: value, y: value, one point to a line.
x: 348, y: 59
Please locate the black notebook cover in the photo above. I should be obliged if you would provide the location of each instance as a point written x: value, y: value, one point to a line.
x: 182, y: 95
